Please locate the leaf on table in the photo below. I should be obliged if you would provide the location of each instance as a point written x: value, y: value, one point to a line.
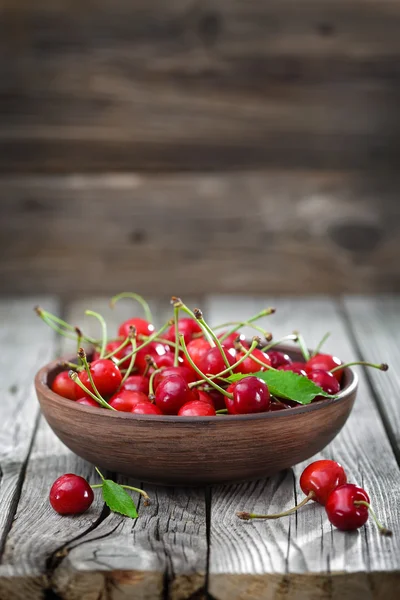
x: 118, y: 500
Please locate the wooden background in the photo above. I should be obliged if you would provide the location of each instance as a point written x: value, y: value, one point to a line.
x: 233, y: 145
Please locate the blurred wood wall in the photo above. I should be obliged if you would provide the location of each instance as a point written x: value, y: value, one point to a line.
x: 242, y: 145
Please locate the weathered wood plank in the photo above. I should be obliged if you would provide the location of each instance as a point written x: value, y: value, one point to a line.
x: 150, y: 85
x: 376, y: 326
x: 291, y: 232
x: 302, y: 556
x: 165, y: 549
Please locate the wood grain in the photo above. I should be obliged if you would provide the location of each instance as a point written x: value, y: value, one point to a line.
x: 276, y: 552
x: 287, y: 232
x: 189, y: 85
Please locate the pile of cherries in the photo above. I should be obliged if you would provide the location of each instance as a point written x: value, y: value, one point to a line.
x: 183, y: 368
x: 325, y: 481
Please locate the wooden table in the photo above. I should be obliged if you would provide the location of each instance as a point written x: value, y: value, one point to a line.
x: 189, y: 540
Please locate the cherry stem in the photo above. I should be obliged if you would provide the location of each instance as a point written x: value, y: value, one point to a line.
x: 196, y: 368
x: 92, y: 313
x: 70, y: 365
x: 262, y: 313
x: 381, y: 367
x: 246, y: 516
x: 221, y: 411
x: 75, y: 378
x: 177, y: 302
x: 117, y: 350
x: 53, y: 326
x: 132, y: 338
x: 149, y: 363
x: 78, y: 340
x: 321, y: 343
x: 52, y: 321
x: 138, y: 298
x: 288, y: 338
x: 151, y: 380
x: 382, y: 530
x: 146, y: 497
x: 199, y: 316
x: 152, y: 337
x: 82, y: 356
x: 304, y: 350
x: 257, y: 360
x: 254, y: 345
x: 176, y: 319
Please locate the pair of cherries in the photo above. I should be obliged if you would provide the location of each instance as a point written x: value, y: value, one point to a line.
x: 325, y: 481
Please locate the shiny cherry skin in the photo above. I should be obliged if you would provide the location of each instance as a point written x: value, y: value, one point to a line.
x: 279, y: 359
x: 205, y: 397
x: 213, y: 363
x: 326, y: 381
x: 70, y: 495
x: 325, y: 362
x: 196, y: 408
x: 250, y: 395
x: 146, y: 408
x: 142, y: 326
x: 229, y: 342
x: 197, y: 348
x: 65, y: 387
x: 341, y: 510
x: 186, y: 326
x: 187, y: 374
x: 153, y: 349
x: 217, y: 398
x: 296, y: 367
x: 251, y: 366
x: 321, y: 478
x: 87, y: 401
x: 106, y: 376
x: 136, y: 383
x: 172, y: 393
x: 276, y: 406
x: 126, y: 400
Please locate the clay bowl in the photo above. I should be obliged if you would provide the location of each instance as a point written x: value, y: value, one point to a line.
x: 195, y: 451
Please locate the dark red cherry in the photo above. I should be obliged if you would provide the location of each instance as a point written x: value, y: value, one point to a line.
x: 136, y: 383
x: 146, y: 408
x: 172, y: 393
x: 70, y: 495
x: 276, y: 406
x: 229, y: 342
x: 296, y: 367
x: 213, y: 363
x: 325, y: 362
x: 142, y: 326
x: 65, y: 387
x: 126, y: 400
x: 197, y: 348
x: 326, y: 381
x: 187, y: 374
x: 196, y: 408
x: 279, y: 359
x: 341, y: 510
x: 250, y: 395
x: 187, y: 327
x: 205, y: 397
x: 217, y: 398
x: 106, y: 376
x: 321, y: 478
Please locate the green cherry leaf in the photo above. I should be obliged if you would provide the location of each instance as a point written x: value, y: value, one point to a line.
x: 118, y: 500
x: 287, y: 385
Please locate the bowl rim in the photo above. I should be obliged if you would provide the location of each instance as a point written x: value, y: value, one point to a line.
x: 42, y: 387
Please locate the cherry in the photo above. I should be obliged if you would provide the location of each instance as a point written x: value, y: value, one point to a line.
x: 65, y: 387
x: 146, y: 408
x: 136, y: 383
x: 320, y: 478
x: 296, y: 367
x: 213, y: 363
x: 275, y: 406
x: 197, y: 348
x: 155, y: 350
x: 206, y: 397
x: 142, y: 327
x: 250, y: 395
x: 229, y: 342
x: 251, y: 366
x: 111, y: 347
x: 172, y: 393
x: 279, y: 359
x: 325, y: 362
x: 196, y: 408
x: 217, y: 398
x: 326, y: 381
x: 187, y: 327
x: 87, y: 401
x: 70, y: 495
x: 106, y: 376
x: 187, y: 374
x: 126, y: 400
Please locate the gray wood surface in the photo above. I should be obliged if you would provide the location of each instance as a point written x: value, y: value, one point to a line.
x: 223, y: 83
x: 294, y: 232
x: 279, y: 551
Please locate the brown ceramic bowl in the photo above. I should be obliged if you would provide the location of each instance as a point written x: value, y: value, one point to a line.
x: 195, y: 451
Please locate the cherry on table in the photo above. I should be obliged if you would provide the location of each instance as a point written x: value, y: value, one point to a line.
x: 70, y: 494
x: 126, y: 400
x: 172, y: 393
x: 106, y: 376
x: 326, y: 381
x: 325, y: 362
x: 250, y: 395
x: 65, y: 387
x: 279, y: 359
x: 320, y: 478
x: 197, y: 408
x: 136, y: 383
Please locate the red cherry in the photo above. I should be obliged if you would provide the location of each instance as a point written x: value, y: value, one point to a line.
x: 155, y: 350
x: 326, y: 381
x: 106, y: 376
x: 136, y: 383
x: 229, y: 342
x: 321, y: 478
x: 172, y: 393
x: 126, y: 400
x: 70, y: 495
x: 325, y: 362
x: 146, y: 408
x: 205, y: 397
x: 186, y: 326
x: 279, y: 359
x: 341, y: 510
x: 142, y: 326
x: 65, y: 387
x: 217, y: 398
x: 196, y: 408
x: 251, y: 366
x: 87, y: 401
x: 275, y: 406
x: 296, y: 367
x: 186, y: 374
x: 197, y: 348
x: 250, y: 395
x: 213, y: 363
